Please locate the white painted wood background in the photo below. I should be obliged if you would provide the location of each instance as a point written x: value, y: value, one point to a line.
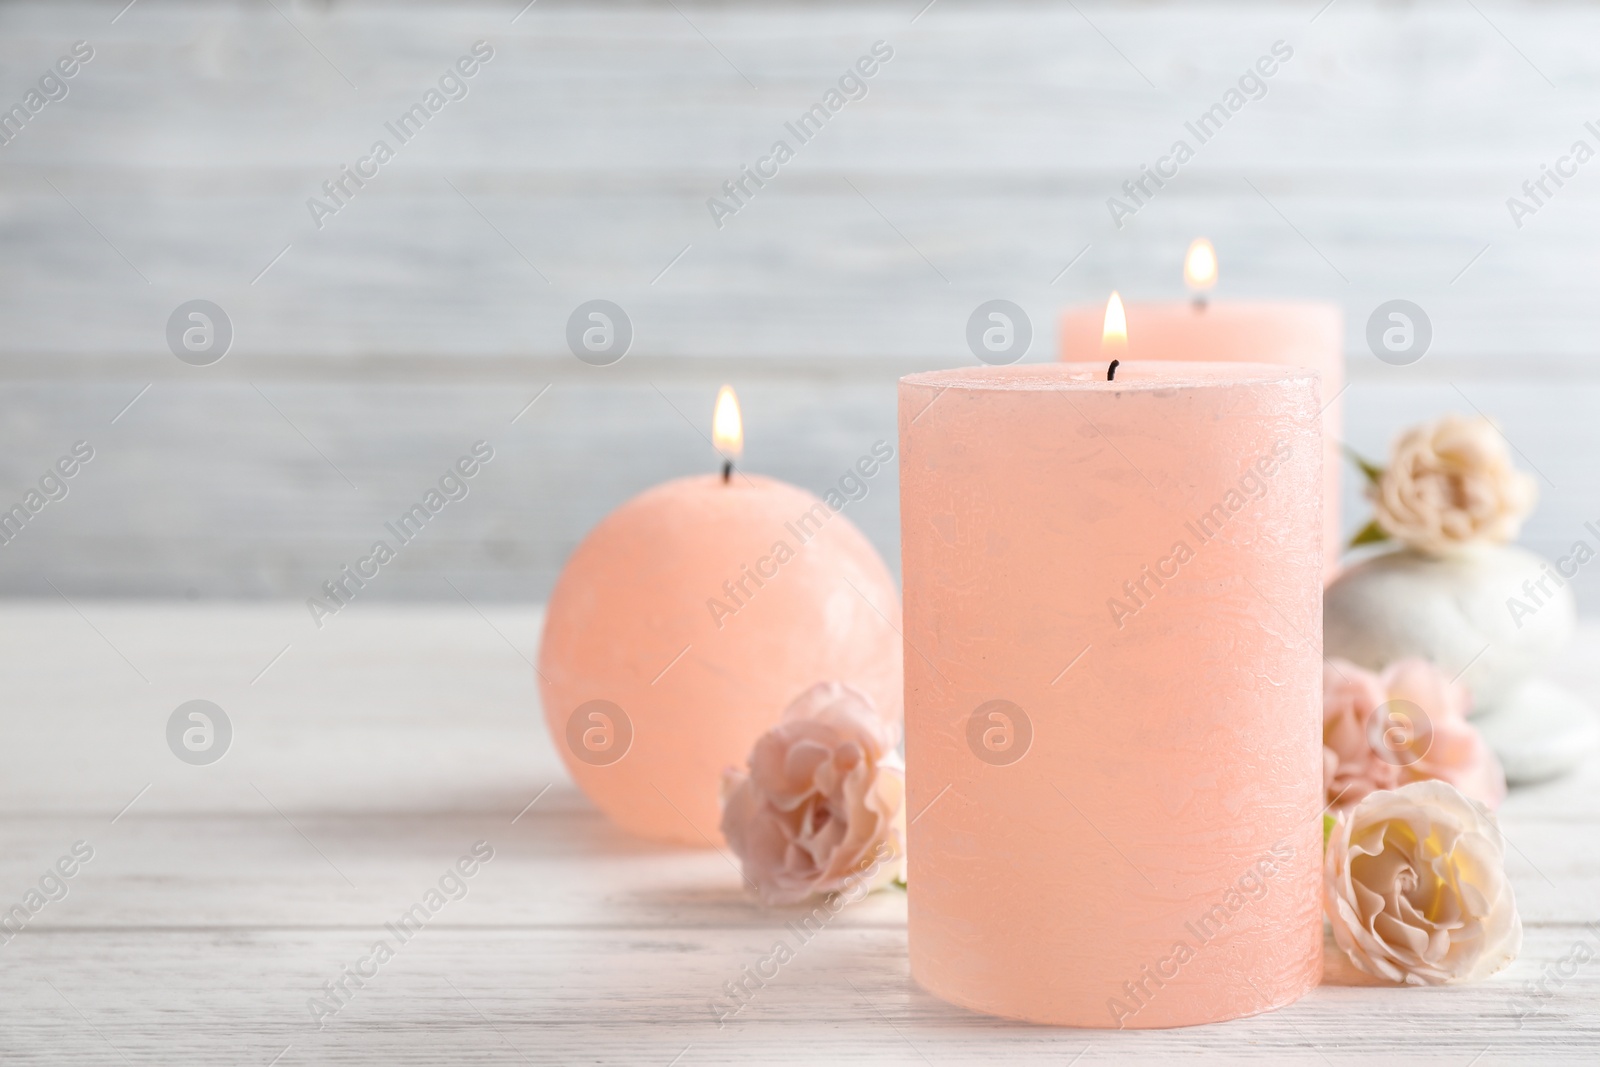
x: 365, y: 761
x: 428, y: 312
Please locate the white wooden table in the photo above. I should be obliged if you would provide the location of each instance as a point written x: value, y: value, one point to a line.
x: 374, y: 753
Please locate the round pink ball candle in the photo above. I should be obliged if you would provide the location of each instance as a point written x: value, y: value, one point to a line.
x: 685, y: 623
x: 1305, y: 333
x: 1113, y: 689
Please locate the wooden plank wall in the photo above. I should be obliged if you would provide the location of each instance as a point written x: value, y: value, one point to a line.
x: 427, y: 312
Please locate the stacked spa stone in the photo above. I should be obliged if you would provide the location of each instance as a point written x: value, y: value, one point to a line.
x: 1455, y: 595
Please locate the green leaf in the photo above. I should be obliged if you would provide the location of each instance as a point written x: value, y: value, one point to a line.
x: 1370, y: 469
x: 1328, y: 822
x: 899, y: 883
x: 1369, y: 534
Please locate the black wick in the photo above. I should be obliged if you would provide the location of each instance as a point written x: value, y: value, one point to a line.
x: 727, y: 470
x: 1111, y: 371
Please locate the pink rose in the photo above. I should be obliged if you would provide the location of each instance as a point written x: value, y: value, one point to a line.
x: 1408, y: 724
x: 823, y: 807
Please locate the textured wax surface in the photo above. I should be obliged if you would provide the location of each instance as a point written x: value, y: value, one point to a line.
x: 630, y: 623
x: 1175, y: 744
x: 1307, y: 334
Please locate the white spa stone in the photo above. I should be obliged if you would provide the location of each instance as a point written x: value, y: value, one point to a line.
x: 1454, y: 611
x: 1540, y: 731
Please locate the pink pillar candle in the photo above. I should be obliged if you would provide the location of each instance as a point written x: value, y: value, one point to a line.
x: 1307, y: 334
x: 1113, y: 608
x: 685, y: 623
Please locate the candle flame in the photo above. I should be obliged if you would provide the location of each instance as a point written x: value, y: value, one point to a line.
x: 1200, y: 265
x: 1114, y: 339
x: 727, y: 428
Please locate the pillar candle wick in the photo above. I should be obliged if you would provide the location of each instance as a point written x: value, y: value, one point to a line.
x: 1111, y: 371
x: 727, y: 470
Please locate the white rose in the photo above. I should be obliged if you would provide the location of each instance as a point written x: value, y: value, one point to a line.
x: 1451, y: 483
x: 1415, y: 887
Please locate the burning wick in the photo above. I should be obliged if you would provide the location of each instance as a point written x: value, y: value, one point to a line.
x: 727, y: 430
x: 1200, y: 270
x: 1114, y: 338
x: 1111, y: 371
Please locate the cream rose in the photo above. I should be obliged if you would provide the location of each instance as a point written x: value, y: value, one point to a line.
x: 1451, y: 483
x: 822, y: 809
x: 1408, y: 724
x: 1415, y: 887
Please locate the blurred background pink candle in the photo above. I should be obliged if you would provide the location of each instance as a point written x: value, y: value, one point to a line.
x: 1297, y: 333
x: 1113, y: 689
